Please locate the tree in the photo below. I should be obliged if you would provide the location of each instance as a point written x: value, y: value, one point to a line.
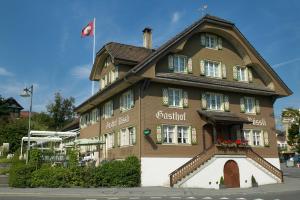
x: 61, y: 111
x: 294, y: 133
x: 294, y: 138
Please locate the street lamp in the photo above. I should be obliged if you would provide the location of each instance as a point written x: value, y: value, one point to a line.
x: 28, y: 92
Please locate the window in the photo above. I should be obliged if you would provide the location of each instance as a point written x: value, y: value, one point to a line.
x: 110, y: 140
x: 212, y: 69
x: 126, y: 100
x: 211, y: 41
x: 254, y: 137
x: 175, y: 97
x: 242, y: 74
x: 107, y: 61
x: 176, y: 134
x: 180, y: 63
x: 247, y: 136
x: 108, y: 109
x: 249, y: 105
x: 127, y: 136
x: 168, y: 132
x: 131, y: 131
x: 214, y: 101
x: 182, y: 134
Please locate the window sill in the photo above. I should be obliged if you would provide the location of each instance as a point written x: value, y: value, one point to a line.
x: 178, y: 107
x: 125, y: 110
x: 215, y: 77
x: 176, y: 144
x: 216, y: 48
x: 248, y: 113
x: 214, y: 110
x: 125, y: 146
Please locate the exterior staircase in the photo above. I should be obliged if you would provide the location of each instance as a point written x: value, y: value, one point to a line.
x: 201, y: 159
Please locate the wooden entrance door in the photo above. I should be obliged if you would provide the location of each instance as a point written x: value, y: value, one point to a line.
x: 231, y: 174
x: 208, y: 135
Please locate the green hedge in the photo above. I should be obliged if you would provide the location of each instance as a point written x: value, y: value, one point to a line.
x: 125, y: 173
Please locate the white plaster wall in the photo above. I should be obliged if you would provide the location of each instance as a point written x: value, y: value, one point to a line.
x: 155, y: 171
x: 274, y: 161
x: 208, y: 176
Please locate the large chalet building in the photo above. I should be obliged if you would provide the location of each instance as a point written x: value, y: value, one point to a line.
x: 198, y: 108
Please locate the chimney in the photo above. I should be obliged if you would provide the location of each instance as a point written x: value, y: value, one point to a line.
x: 147, y: 38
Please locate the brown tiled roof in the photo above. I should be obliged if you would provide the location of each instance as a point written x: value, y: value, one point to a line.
x: 211, y: 82
x: 127, y: 52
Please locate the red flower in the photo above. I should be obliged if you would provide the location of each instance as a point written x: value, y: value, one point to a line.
x: 238, y: 142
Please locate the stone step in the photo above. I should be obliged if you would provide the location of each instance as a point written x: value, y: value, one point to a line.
x: 3, y: 185
x: 3, y: 180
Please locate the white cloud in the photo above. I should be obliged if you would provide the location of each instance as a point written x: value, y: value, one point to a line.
x: 286, y: 63
x: 175, y: 17
x: 4, y: 72
x: 82, y: 71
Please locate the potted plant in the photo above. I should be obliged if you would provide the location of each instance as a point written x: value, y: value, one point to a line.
x: 253, y: 181
x: 221, y: 183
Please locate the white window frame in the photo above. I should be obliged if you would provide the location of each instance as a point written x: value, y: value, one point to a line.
x: 250, y: 101
x: 126, y: 137
x: 108, y: 109
x: 256, y: 137
x: 127, y: 99
x: 170, y: 134
x: 242, y: 74
x: 178, y: 60
x: 212, y: 101
x: 172, y: 97
x: 212, y: 69
x: 208, y: 41
x: 110, y: 140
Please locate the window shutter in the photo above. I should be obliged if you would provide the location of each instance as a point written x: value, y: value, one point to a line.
x: 116, y: 72
x: 235, y: 73
x: 193, y: 136
x: 118, y: 138
x: 158, y: 134
x: 171, y: 62
x: 204, y: 101
x: 185, y: 99
x: 203, y: 39
x: 224, y: 74
x: 226, y: 103
x: 134, y: 136
x: 113, y: 139
x: 190, y: 65
x: 131, y: 99
x: 165, y: 97
x: 202, y: 68
x: 220, y: 46
x: 250, y: 76
x: 242, y: 104
x: 266, y: 138
x: 257, y: 107
x: 121, y: 103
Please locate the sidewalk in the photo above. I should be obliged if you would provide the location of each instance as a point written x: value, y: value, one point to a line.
x: 291, y: 184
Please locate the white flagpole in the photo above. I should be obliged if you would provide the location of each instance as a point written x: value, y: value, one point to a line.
x: 94, y: 44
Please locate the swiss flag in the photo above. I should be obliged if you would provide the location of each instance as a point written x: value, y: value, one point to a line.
x: 88, y: 30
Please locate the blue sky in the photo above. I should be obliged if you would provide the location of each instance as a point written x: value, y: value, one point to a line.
x: 40, y: 40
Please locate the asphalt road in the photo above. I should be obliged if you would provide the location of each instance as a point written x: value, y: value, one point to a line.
x: 272, y: 196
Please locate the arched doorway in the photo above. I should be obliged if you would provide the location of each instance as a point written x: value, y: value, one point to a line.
x: 231, y: 174
x: 208, y: 135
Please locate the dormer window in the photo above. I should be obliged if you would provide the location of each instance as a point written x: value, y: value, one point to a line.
x: 211, y: 41
x: 107, y: 61
x: 212, y: 68
x: 180, y: 63
x: 242, y: 73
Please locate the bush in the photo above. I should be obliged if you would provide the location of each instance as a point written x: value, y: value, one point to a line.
x: 20, y: 174
x: 110, y: 174
x: 51, y: 177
